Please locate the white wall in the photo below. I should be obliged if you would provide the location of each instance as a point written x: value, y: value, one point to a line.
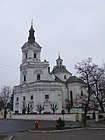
x: 67, y: 117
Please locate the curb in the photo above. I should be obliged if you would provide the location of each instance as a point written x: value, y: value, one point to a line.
x: 96, y: 128
x: 9, y: 138
x: 56, y: 131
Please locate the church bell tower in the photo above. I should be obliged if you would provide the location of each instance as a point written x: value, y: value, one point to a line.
x: 30, y: 57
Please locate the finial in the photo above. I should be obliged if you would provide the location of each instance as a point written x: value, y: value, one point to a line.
x: 31, y: 38
x: 58, y: 54
x: 31, y: 23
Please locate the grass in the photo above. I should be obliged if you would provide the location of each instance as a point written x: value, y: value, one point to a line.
x: 52, y: 128
x: 44, y: 129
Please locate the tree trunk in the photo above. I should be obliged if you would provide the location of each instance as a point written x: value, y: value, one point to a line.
x: 101, y: 106
x: 68, y: 111
x: 85, y: 116
x: 5, y: 113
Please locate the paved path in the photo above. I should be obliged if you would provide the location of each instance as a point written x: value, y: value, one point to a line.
x: 71, y: 135
x: 8, y: 126
x: 15, y: 125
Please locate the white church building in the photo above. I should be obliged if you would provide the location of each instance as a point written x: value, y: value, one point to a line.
x: 40, y: 86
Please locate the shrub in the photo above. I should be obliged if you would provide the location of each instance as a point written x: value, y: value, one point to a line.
x: 60, y: 123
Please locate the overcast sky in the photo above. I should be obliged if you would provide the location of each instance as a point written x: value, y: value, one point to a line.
x: 73, y: 28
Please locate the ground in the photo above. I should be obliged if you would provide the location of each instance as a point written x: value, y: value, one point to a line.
x: 19, y: 130
x: 70, y: 135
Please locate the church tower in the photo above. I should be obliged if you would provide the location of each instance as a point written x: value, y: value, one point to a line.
x: 32, y: 69
x: 60, y: 70
x: 31, y: 49
x: 59, y: 62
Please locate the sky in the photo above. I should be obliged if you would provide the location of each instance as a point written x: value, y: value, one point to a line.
x: 73, y: 28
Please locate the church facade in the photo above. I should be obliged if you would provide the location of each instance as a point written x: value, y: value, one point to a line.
x: 41, y: 88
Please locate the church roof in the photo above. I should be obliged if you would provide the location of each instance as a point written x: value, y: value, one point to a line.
x: 58, y: 80
x: 74, y: 79
x: 31, y: 39
x: 59, y: 58
x: 35, y: 44
x: 60, y: 69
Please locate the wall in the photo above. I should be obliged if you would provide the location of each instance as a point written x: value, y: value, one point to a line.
x: 67, y: 117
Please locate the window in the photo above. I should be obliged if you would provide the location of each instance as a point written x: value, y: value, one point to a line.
x: 26, y: 55
x: 38, y: 76
x: 31, y: 97
x: 81, y: 93
x: 64, y: 76
x: 71, y: 97
x: 57, y: 63
x: 24, y: 77
x: 24, y: 98
x: 34, y: 55
x: 16, y: 111
x: 17, y: 99
x: 46, y: 97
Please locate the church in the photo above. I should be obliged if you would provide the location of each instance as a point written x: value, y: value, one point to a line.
x: 41, y: 88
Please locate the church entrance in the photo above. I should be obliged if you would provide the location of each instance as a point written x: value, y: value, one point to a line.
x: 47, y: 109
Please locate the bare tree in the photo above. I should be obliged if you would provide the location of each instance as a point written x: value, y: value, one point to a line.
x: 68, y: 105
x: 54, y: 107
x: 10, y: 103
x: 1, y: 103
x: 40, y: 108
x: 99, y: 86
x: 5, y: 95
x: 81, y: 100
x: 85, y: 69
x: 29, y: 107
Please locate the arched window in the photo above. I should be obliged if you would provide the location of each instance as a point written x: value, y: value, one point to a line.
x: 24, y: 78
x: 57, y: 63
x: 38, y: 76
x: 26, y: 55
x: 81, y: 92
x: 34, y: 55
x: 64, y: 76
